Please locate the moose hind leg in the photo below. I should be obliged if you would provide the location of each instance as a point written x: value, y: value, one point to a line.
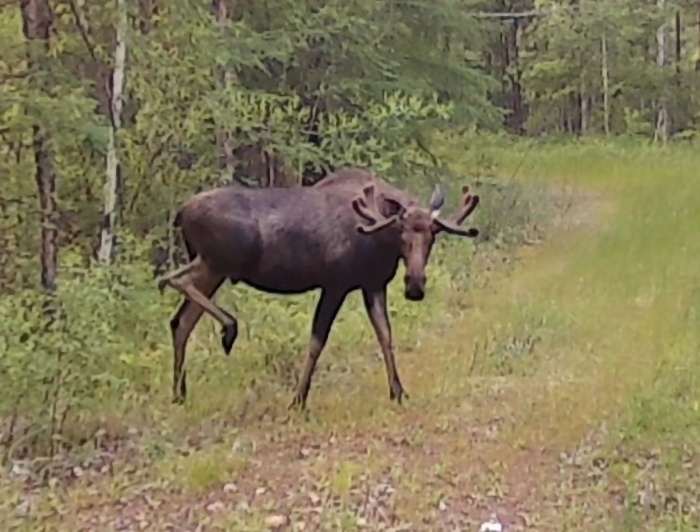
x: 375, y: 304
x: 187, y: 280
x: 181, y: 326
x: 171, y: 276
x: 326, y: 310
x: 229, y: 334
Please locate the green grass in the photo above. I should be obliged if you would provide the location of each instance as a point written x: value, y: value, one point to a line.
x: 623, y: 355
x: 555, y: 384
x: 635, y: 287
x: 633, y: 292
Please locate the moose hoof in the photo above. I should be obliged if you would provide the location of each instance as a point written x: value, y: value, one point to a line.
x: 178, y: 400
x: 298, y: 403
x: 228, y: 337
x: 396, y: 392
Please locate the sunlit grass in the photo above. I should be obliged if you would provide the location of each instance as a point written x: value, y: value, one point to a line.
x: 623, y: 352
x: 633, y: 290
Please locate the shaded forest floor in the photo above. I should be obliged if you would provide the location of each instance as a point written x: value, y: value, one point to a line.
x: 555, y: 438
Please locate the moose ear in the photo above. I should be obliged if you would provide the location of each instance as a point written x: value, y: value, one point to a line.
x: 437, y: 201
x: 368, y: 190
x: 393, y: 207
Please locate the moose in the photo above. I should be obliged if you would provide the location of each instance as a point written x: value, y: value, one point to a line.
x: 347, y: 232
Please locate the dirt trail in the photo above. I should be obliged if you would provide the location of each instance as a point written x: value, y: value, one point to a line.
x: 447, y: 464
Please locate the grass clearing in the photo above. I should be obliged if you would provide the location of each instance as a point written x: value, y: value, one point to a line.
x: 557, y: 387
x: 631, y: 349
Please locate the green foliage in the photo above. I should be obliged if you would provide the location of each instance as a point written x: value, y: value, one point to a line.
x: 260, y: 73
x: 373, y: 80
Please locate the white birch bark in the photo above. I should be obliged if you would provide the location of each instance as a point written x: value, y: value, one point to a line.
x: 104, y: 254
x: 661, y: 132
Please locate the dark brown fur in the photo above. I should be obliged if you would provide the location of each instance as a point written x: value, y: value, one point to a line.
x: 346, y: 233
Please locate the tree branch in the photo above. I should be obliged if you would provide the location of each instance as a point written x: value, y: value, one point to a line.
x: 83, y: 29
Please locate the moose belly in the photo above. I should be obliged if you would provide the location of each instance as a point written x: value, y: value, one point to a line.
x: 277, y: 285
x: 306, y: 266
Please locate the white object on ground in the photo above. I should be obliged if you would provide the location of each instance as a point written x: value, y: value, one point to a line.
x: 492, y: 525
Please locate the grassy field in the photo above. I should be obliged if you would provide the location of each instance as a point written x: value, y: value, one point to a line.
x: 556, y: 390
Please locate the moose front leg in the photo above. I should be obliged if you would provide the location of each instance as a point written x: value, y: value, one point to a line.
x: 375, y: 304
x: 326, y: 311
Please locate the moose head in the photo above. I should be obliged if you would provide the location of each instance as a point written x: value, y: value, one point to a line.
x: 416, y: 228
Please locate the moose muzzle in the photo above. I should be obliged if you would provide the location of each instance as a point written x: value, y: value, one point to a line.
x: 414, y: 287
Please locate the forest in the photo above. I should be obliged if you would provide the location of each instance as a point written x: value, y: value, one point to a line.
x: 555, y: 347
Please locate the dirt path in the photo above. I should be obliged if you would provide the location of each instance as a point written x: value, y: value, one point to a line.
x: 468, y: 445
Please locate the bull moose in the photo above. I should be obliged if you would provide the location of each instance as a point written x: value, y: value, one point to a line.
x: 347, y: 232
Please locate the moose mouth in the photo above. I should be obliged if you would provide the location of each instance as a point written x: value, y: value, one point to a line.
x: 414, y: 295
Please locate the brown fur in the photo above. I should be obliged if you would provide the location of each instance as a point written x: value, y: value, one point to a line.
x: 346, y: 233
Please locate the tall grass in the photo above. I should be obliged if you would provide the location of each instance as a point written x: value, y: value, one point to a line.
x: 631, y: 290
x: 637, y: 284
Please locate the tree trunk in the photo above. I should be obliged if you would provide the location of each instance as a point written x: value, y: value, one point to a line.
x: 697, y: 50
x: 517, y: 117
x: 225, y: 137
x: 107, y: 235
x: 679, y: 41
x: 584, y: 107
x: 606, y: 84
x: 661, y: 131
x: 678, y: 117
x: 37, y: 20
x: 147, y: 9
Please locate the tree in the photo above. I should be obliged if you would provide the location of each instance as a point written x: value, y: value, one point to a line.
x: 37, y: 20
x: 661, y: 130
x: 104, y: 254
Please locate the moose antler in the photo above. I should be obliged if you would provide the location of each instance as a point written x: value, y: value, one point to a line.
x: 467, y: 202
x: 366, y: 206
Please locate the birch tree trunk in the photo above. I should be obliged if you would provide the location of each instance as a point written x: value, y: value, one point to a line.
x: 105, y: 252
x: 606, y: 83
x: 661, y: 131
